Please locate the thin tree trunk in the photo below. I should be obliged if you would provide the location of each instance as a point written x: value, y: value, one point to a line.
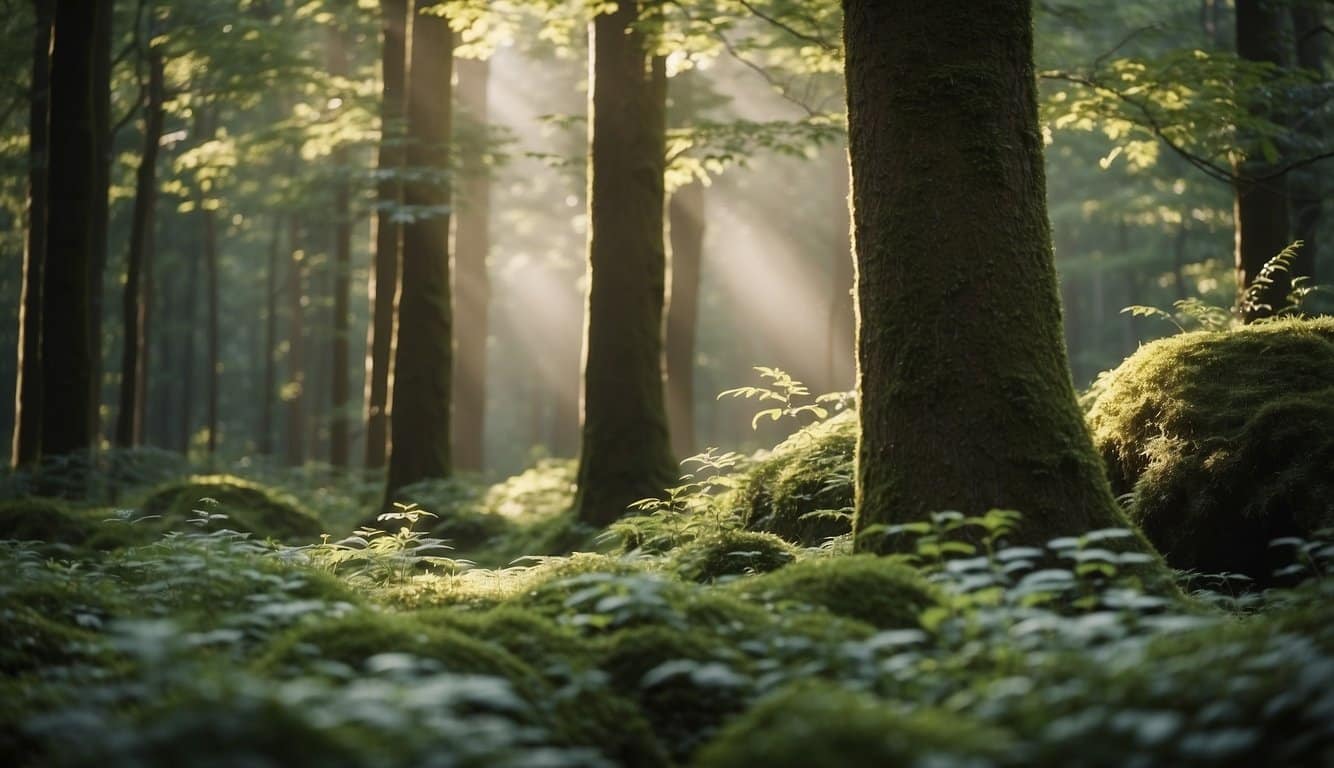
x: 685, y: 213
x: 1307, y: 185
x: 422, y: 367
x: 191, y: 292
x: 294, y: 390
x: 270, y: 342
x: 472, y: 286
x: 27, y: 446
x: 965, y: 395
x: 136, y: 297
x: 340, y: 350
x: 101, y: 210
x: 214, y: 371
x: 626, y: 452
x: 840, y: 343
x: 383, y: 288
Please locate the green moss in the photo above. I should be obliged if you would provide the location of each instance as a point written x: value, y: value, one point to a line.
x: 539, y: 641
x: 820, y: 724
x: 56, y: 522
x: 31, y: 641
x: 1226, y: 441
x: 811, y: 470
x: 862, y: 587
x: 249, y: 507
x: 730, y: 553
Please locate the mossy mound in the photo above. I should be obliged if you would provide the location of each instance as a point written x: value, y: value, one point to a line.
x: 810, y: 471
x: 250, y: 507
x: 731, y: 553
x: 863, y: 587
x: 816, y: 723
x: 532, y: 637
x: 1226, y: 441
x: 55, y: 522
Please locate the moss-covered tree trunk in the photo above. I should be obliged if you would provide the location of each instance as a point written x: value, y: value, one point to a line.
x: 421, y: 397
x: 26, y: 446
x: 472, y: 287
x: 383, y: 289
x: 68, y: 363
x: 1260, y: 211
x: 685, y: 215
x: 965, y: 397
x: 625, y: 454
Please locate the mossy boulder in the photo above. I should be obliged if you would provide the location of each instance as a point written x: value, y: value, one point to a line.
x: 867, y: 588
x: 1226, y: 441
x: 249, y: 507
x: 810, y: 471
x: 817, y: 723
x: 56, y: 522
x: 731, y: 553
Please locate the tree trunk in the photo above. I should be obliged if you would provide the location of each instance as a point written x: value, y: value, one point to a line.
x: 191, y: 293
x: 214, y: 371
x: 685, y: 212
x: 383, y: 288
x: 421, y: 397
x: 965, y: 395
x: 472, y: 286
x: 340, y: 350
x: 74, y: 205
x: 1261, y: 204
x: 101, y: 209
x: 27, y: 446
x: 136, y: 297
x: 1307, y: 184
x: 270, y: 343
x: 625, y: 454
x: 841, y: 340
x: 294, y: 390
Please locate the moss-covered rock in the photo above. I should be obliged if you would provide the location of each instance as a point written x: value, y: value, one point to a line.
x: 250, y: 507
x: 816, y: 723
x: 1226, y: 441
x: 810, y: 471
x: 862, y: 587
x: 730, y: 553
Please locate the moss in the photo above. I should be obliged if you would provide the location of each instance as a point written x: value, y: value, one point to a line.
x: 821, y: 724
x: 811, y: 470
x: 31, y: 641
x: 56, y: 522
x: 862, y: 587
x: 1226, y: 441
x: 532, y: 637
x: 249, y: 507
x: 730, y: 553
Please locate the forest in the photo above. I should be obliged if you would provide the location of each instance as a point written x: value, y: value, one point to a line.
x: 717, y: 383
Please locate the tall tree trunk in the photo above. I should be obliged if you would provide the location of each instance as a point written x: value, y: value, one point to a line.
x: 383, y: 288
x: 27, y: 446
x: 214, y: 371
x: 340, y: 349
x: 1307, y: 184
x: 965, y: 397
x: 626, y: 453
x: 101, y: 210
x: 1261, y: 204
x: 191, y: 293
x: 74, y: 206
x: 136, y: 297
x: 685, y: 214
x: 421, y: 397
x: 270, y: 386
x: 472, y: 285
x: 294, y: 390
x: 841, y: 339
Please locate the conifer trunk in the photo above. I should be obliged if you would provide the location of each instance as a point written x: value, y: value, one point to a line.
x: 685, y: 214
x: 294, y: 390
x: 340, y: 349
x: 422, y: 366
x: 270, y: 386
x: 625, y: 454
x: 472, y: 285
x: 965, y: 395
x: 185, y: 429
x: 383, y: 288
x: 1308, y: 184
x: 101, y: 208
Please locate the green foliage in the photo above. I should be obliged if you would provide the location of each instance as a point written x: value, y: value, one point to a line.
x: 731, y: 553
x: 249, y: 507
x: 1224, y: 441
x: 872, y: 589
x: 378, y: 557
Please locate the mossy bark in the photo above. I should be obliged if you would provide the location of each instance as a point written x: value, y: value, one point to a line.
x: 966, y: 401
x: 625, y: 454
x: 472, y: 286
x: 419, y: 419
x: 686, y: 217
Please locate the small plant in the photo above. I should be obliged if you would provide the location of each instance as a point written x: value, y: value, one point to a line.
x: 686, y: 511
x: 789, y: 393
x: 383, y: 558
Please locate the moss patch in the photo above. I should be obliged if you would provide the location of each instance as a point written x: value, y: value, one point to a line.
x: 1226, y: 441
x: 731, y: 553
x: 250, y: 507
x: 862, y: 587
x: 809, y: 471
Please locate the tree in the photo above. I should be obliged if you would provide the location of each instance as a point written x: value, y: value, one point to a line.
x: 625, y: 454
x: 383, y: 288
x: 1307, y: 185
x: 28, y: 387
x: 294, y: 390
x: 419, y: 420
x: 685, y: 214
x: 965, y: 396
x: 340, y: 349
x: 472, y: 287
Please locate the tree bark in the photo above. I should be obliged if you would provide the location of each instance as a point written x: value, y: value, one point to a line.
x: 270, y: 386
x: 1261, y: 202
x: 27, y: 446
x: 294, y: 390
x: 214, y: 372
x: 101, y: 209
x: 625, y: 454
x: 841, y: 340
x: 472, y: 285
x: 965, y: 396
x: 340, y: 349
x: 422, y: 366
x: 383, y: 288
x: 136, y: 297
x: 685, y: 214
x: 68, y: 364
x: 1308, y: 184
x: 187, y: 404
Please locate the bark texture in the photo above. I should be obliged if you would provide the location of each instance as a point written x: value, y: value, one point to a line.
x: 472, y: 286
x: 965, y: 395
x: 625, y: 454
x: 422, y: 366
x: 685, y: 215
x: 383, y: 287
